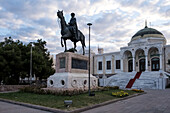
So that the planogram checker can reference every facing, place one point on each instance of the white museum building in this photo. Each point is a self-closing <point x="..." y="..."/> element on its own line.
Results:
<point x="144" y="63"/>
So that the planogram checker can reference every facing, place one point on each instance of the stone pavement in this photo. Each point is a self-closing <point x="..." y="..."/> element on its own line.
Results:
<point x="155" y="101"/>
<point x="12" y="108"/>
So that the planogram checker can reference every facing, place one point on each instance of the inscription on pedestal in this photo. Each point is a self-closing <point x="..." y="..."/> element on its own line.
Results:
<point x="62" y="62"/>
<point x="79" y="64"/>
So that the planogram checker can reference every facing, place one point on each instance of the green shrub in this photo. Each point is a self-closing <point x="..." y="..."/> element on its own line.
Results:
<point x="62" y="92"/>
<point x="111" y="88"/>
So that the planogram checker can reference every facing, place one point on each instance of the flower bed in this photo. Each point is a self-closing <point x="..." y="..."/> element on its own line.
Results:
<point x="120" y="94"/>
<point x="138" y="90"/>
<point x="64" y="92"/>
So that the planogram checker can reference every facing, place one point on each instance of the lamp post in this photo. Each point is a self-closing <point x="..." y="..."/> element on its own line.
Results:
<point x="89" y="24"/>
<point x="31" y="65"/>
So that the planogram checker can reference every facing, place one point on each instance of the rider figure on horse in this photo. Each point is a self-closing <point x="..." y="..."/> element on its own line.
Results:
<point x="73" y="27"/>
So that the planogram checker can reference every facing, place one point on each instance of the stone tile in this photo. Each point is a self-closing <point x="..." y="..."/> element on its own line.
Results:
<point x="12" y="108"/>
<point x="155" y="101"/>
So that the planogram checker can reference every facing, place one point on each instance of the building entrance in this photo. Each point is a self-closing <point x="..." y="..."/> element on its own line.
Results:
<point x="142" y="65"/>
<point x="130" y="66"/>
<point x="155" y="64"/>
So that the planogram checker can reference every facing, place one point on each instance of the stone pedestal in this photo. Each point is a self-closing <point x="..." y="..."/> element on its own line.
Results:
<point x="71" y="62"/>
<point x="71" y="72"/>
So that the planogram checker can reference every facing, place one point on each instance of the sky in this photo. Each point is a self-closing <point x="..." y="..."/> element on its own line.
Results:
<point x="114" y="22"/>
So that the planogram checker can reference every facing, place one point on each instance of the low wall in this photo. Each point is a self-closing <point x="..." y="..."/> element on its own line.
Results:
<point x="11" y="87"/>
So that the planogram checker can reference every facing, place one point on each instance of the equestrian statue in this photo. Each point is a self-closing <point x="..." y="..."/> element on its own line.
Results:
<point x="70" y="31"/>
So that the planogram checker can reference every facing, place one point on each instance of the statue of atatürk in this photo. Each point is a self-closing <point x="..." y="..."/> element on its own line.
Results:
<point x="70" y="31"/>
<point x="73" y="26"/>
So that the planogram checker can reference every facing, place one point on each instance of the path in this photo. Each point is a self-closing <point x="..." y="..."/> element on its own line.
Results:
<point x="155" y="101"/>
<point x="12" y="108"/>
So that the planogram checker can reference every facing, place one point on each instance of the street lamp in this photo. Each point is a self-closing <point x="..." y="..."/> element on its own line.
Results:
<point x="31" y="65"/>
<point x="89" y="24"/>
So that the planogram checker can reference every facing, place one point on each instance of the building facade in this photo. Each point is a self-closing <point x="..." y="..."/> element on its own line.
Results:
<point x="144" y="63"/>
<point x="147" y="51"/>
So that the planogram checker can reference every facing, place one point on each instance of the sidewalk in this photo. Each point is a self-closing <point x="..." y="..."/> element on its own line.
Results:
<point x="155" y="101"/>
<point x="12" y="108"/>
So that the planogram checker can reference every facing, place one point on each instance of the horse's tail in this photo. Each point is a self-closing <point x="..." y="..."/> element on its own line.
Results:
<point x="84" y="41"/>
<point x="82" y="38"/>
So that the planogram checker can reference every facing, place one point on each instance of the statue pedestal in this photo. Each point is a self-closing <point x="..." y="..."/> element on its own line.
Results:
<point x="71" y="72"/>
<point x="71" y="62"/>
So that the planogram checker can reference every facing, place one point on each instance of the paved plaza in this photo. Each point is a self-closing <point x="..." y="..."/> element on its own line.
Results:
<point x="155" y="101"/>
<point x="12" y="108"/>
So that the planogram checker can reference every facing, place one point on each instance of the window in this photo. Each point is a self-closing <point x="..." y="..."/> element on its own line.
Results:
<point x="117" y="64"/>
<point x="108" y="63"/>
<point x="99" y="65"/>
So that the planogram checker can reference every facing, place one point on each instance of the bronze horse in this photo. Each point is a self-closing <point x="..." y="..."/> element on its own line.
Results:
<point x="66" y="34"/>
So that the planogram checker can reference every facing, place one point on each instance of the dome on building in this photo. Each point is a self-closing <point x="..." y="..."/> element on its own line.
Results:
<point x="147" y="32"/>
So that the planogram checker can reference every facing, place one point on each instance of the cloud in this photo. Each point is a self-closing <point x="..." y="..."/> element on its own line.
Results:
<point x="114" y="21"/>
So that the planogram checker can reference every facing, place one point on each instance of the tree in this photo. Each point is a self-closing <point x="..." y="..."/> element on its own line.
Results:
<point x="15" y="60"/>
<point x="42" y="63"/>
<point x="11" y="61"/>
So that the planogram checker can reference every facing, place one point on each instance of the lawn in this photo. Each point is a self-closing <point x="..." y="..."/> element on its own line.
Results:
<point x="53" y="101"/>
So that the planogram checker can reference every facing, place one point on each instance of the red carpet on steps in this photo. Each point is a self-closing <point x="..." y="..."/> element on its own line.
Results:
<point x="131" y="82"/>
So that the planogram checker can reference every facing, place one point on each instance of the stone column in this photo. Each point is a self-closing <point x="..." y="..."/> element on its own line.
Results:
<point x="133" y="61"/>
<point x="146" y="63"/>
<point x="146" y="59"/>
<point x="95" y="65"/>
<point x="104" y="67"/>
<point x="113" y="69"/>
<point x="133" y="64"/>
<point x="160" y="61"/>
<point x="121" y="64"/>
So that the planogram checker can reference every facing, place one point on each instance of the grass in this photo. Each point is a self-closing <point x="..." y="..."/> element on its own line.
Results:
<point x="53" y="101"/>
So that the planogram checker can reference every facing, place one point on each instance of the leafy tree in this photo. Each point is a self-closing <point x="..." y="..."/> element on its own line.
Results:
<point x="11" y="61"/>
<point x="15" y="60"/>
<point x="42" y="63"/>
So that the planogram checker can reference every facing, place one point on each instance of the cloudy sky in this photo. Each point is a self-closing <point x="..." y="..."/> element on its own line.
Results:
<point x="114" y="21"/>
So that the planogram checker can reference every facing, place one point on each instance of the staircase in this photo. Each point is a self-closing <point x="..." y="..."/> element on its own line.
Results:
<point x="131" y="82"/>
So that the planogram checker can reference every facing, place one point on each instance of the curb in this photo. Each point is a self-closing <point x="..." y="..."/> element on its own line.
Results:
<point x="104" y="103"/>
<point x="54" y="110"/>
